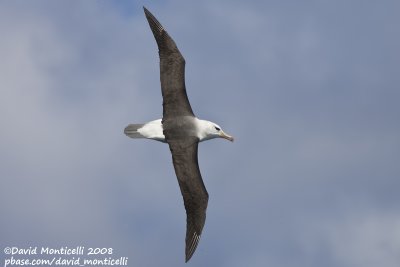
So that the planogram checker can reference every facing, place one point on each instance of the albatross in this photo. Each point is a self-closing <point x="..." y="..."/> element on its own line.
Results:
<point x="182" y="131"/>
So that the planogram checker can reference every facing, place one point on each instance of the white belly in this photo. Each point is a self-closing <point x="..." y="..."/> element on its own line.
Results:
<point x="153" y="130"/>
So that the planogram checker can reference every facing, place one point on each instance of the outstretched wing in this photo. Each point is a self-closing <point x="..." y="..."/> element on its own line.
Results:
<point x="172" y="72"/>
<point x="195" y="196"/>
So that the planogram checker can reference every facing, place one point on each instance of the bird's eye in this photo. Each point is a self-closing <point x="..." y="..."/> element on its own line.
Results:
<point x="216" y="128"/>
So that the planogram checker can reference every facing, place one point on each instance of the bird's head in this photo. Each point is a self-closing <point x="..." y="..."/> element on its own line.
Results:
<point x="209" y="130"/>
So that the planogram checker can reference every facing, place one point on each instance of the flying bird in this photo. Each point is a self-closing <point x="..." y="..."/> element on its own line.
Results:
<point x="182" y="131"/>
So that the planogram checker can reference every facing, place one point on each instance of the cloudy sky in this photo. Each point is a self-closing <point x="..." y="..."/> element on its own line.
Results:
<point x="309" y="89"/>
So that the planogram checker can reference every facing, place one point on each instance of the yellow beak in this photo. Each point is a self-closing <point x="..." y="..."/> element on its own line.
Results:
<point x="222" y="134"/>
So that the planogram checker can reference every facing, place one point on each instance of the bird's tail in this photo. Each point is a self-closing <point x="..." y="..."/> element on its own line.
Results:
<point x="132" y="130"/>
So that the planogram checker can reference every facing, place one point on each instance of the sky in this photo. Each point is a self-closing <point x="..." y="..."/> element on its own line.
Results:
<point x="309" y="90"/>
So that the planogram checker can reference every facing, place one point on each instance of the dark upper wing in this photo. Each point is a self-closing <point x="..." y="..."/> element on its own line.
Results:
<point x="195" y="196"/>
<point x="172" y="72"/>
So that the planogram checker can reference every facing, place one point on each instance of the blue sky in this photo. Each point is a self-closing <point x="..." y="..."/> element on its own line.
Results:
<point x="309" y="89"/>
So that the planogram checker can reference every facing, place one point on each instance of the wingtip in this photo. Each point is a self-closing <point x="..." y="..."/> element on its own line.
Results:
<point x="192" y="246"/>
<point x="155" y="25"/>
<point x="147" y="13"/>
<point x="188" y="257"/>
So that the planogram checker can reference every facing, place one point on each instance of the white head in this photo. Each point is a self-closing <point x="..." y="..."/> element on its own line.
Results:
<point x="208" y="130"/>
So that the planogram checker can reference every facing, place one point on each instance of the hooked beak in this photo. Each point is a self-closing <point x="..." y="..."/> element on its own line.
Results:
<point x="226" y="136"/>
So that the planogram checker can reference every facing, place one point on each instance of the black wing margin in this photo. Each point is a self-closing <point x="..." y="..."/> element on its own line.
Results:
<point x="172" y="72"/>
<point x="195" y="196"/>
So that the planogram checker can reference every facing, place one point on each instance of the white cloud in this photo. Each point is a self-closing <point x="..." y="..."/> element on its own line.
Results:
<point x="58" y="143"/>
<point x="367" y="240"/>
